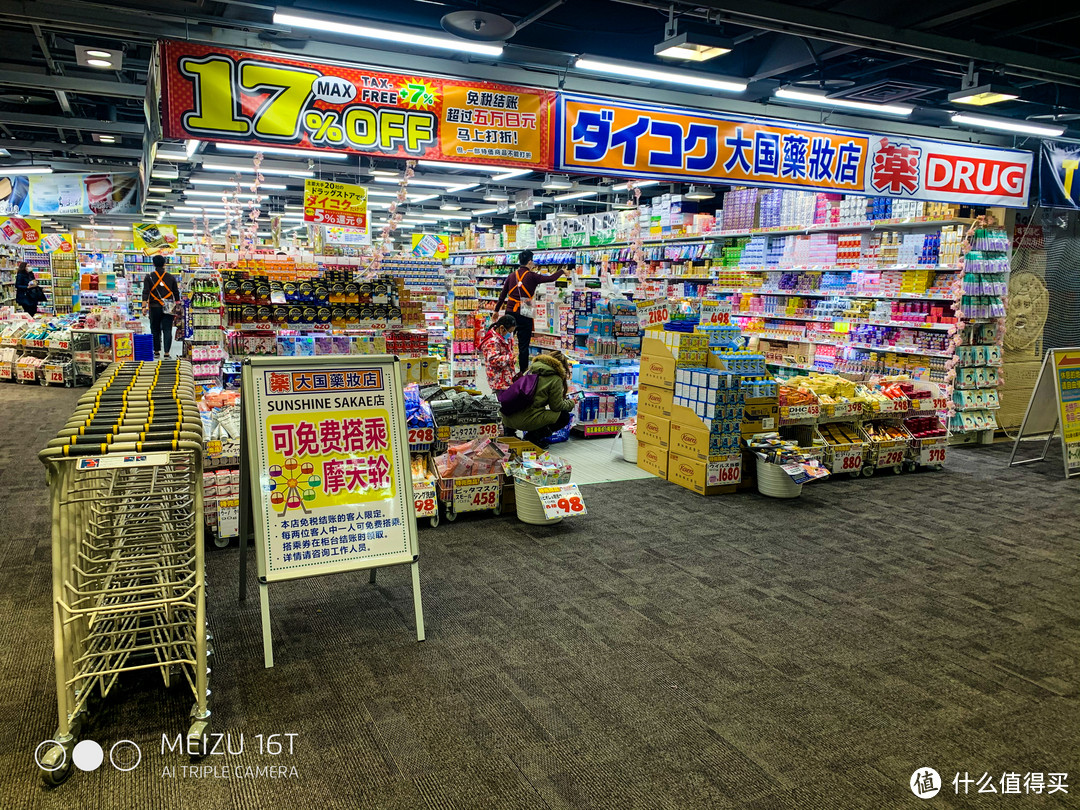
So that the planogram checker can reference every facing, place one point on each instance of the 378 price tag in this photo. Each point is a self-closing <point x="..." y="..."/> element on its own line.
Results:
<point x="561" y="501"/>
<point x="932" y="451"/>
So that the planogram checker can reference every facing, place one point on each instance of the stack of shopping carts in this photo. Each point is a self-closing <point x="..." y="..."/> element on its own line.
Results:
<point x="125" y="476"/>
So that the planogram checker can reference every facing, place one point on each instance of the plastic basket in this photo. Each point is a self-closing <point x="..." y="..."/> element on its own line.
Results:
<point x="529" y="508"/>
<point x="774" y="482"/>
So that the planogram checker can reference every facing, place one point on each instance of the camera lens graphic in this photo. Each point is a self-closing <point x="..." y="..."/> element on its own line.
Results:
<point x="125" y="755"/>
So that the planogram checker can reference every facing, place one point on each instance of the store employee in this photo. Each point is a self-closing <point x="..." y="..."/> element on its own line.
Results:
<point x="517" y="293"/>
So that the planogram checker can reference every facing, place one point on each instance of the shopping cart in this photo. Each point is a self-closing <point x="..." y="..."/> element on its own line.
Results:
<point x="125" y="478"/>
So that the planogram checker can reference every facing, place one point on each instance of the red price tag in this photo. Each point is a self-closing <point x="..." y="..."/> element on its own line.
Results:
<point x="725" y="472"/>
<point x="421" y="435"/>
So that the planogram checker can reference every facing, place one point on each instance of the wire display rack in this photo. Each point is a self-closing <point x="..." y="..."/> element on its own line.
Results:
<point x="125" y="480"/>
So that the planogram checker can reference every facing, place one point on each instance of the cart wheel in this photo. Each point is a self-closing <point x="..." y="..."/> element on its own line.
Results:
<point x="867" y="471"/>
<point x="897" y="469"/>
<point x="451" y="515"/>
<point x="198" y="737"/>
<point x="498" y="508"/>
<point x="56" y="765"/>
<point x="909" y="466"/>
<point x="937" y="467"/>
<point x="434" y="520"/>
<point x="221" y="542"/>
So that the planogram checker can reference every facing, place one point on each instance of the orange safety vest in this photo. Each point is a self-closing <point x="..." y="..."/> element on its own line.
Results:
<point x="160" y="281"/>
<point x="518" y="286"/>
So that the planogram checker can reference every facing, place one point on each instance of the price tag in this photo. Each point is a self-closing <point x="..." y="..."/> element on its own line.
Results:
<point x="213" y="447"/>
<point x="932" y="451"/>
<point x="27" y="373"/>
<point x="561" y="501"/>
<point x="55" y="376"/>
<point x="715" y="313"/>
<point x="472" y="497"/>
<point x="941" y="403"/>
<point x="803" y="411"/>
<point x="847" y="459"/>
<point x="848" y="409"/>
<point x="229" y="517"/>
<point x="421" y="435"/>
<point x="468" y="432"/>
<point x="424" y="500"/>
<point x="652" y="313"/>
<point x="890" y="458"/>
<point x="722" y="473"/>
<point x="5" y="371"/>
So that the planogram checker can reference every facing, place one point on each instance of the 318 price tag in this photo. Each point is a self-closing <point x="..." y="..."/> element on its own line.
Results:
<point x="561" y="501"/>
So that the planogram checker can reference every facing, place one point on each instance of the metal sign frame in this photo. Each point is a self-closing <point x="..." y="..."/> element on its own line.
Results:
<point x="255" y="490"/>
<point x="1043" y="414"/>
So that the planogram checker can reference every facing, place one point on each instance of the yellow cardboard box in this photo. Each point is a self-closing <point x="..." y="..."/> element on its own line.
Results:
<point x="695" y="474"/>
<point x="653" y="429"/>
<point x="655" y="400"/>
<point x="652" y="459"/>
<point x="657" y="364"/>
<point x="688" y="435"/>
<point x="761" y="415"/>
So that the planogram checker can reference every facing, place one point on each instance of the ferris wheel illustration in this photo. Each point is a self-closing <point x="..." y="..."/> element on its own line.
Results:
<point x="293" y="485"/>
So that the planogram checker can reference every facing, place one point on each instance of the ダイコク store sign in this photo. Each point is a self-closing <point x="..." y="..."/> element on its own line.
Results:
<point x="634" y="139"/>
<point x="216" y="94"/>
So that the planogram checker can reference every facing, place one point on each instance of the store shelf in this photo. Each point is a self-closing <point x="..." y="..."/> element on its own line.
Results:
<point x="851" y="345"/>
<point x="936" y="327"/>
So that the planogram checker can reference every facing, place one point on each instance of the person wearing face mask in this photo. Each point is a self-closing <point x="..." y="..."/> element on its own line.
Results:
<point x="517" y="293"/>
<point x="497" y="347"/>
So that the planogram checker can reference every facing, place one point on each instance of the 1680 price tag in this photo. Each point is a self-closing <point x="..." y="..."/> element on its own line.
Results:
<point x="561" y="501"/>
<point x="728" y="471"/>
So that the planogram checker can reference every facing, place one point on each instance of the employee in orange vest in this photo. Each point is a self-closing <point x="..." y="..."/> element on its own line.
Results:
<point x="161" y="298"/>
<point x="517" y="293"/>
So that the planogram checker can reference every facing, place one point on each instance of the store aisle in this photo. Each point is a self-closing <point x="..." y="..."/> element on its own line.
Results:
<point x="665" y="651"/>
<point x="597" y="461"/>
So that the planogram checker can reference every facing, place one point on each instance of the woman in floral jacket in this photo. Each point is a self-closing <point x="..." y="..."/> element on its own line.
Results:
<point x="500" y="358"/>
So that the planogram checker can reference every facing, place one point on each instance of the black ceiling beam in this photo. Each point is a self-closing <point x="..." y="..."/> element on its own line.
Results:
<point x="961" y="14"/>
<point x="845" y="30"/>
<point x="86" y="124"/>
<point x="23" y="77"/>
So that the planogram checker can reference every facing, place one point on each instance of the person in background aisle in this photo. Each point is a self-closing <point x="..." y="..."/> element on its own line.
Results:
<point x="517" y="293"/>
<point x="498" y="349"/>
<point x="160" y="297"/>
<point x="27" y="291"/>
<point x="550" y="409"/>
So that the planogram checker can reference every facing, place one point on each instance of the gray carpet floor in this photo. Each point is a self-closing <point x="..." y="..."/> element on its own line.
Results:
<point x="664" y="651"/>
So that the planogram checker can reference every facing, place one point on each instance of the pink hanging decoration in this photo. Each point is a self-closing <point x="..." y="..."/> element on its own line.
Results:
<point x="385" y="243"/>
<point x="636" y="238"/>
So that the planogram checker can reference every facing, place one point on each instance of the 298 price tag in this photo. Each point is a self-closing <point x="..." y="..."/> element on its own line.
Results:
<point x="561" y="501"/>
<point x="421" y="435"/>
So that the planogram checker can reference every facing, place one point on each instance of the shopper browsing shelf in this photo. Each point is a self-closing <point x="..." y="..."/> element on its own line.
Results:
<point x="517" y="293"/>
<point x="27" y="292"/>
<point x="497" y="346"/>
<point x="550" y="407"/>
<point x="161" y="298"/>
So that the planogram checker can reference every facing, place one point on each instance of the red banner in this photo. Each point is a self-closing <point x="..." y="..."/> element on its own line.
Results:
<point x="216" y="94"/>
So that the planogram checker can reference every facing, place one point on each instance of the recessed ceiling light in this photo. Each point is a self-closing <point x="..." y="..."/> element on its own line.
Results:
<point x="1007" y="125"/>
<point x="557" y="182"/>
<point x="700" y="193"/>
<point x="637" y="184"/>
<point x="449" y="205"/>
<point x="984" y="94"/>
<point x="99" y="54"/>
<point x="99" y="63"/>
<point x="692" y="45"/>
<point x="702" y="81"/>
<point x="341" y="26"/>
<point x="107" y="138"/>
<point x="278" y="150"/>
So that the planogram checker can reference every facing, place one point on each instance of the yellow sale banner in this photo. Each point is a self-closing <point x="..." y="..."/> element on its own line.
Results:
<point x="19" y="231"/>
<point x="154" y="239"/>
<point x="431" y="245"/>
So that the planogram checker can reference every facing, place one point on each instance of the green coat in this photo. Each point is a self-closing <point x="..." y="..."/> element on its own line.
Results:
<point x="549" y="400"/>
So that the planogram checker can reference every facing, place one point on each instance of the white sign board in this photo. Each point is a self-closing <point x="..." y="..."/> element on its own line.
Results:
<point x="329" y="470"/>
<point x="715" y="313"/>
<point x="561" y="501"/>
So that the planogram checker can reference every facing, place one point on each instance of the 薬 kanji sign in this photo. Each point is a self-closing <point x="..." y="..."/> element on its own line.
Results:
<point x="635" y="139"/>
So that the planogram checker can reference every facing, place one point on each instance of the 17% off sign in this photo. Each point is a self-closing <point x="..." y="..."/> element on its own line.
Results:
<point x="561" y="501"/>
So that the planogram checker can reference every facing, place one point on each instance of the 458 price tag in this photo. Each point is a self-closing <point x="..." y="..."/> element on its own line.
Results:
<point x="561" y="501"/>
<point x="476" y="497"/>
